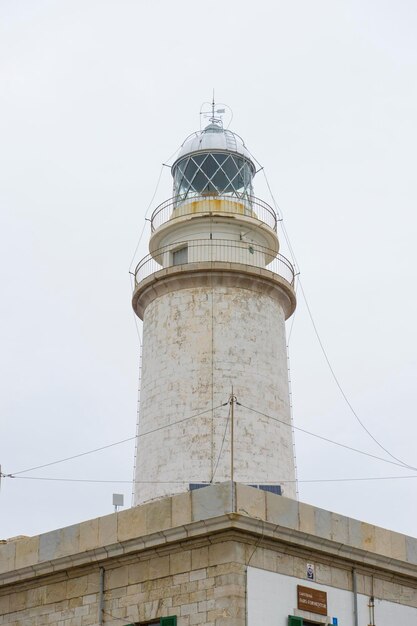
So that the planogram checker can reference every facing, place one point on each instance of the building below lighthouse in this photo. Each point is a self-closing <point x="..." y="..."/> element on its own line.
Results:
<point x="239" y="550"/>
<point x="214" y="294"/>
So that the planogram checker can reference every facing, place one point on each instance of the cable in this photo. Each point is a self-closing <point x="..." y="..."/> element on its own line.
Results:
<point x="292" y="319"/>
<point x="345" y="480"/>
<point x="88" y="480"/>
<point x="184" y="419"/>
<point x="287" y="239"/>
<point x="69" y="458"/>
<point x="146" y="213"/>
<point x="341" y="389"/>
<point x="110" y="445"/>
<point x="181" y="482"/>
<point x="336" y="443"/>
<point x="132" y="286"/>
<point x="221" y="447"/>
<point x="149" y="206"/>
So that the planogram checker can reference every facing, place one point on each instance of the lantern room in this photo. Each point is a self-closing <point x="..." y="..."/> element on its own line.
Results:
<point x="213" y="162"/>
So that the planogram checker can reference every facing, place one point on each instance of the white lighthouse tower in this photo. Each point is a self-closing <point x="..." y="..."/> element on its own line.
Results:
<point x="214" y="294"/>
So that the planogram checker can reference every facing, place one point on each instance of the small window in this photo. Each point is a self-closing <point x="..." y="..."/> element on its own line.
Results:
<point x="271" y="488"/>
<point x="194" y="486"/>
<point x="180" y="256"/>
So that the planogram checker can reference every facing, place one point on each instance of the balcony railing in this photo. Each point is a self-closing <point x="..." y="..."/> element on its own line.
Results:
<point x="211" y="250"/>
<point x="180" y="206"/>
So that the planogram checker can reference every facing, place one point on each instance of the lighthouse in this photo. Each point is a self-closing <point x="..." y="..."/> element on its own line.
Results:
<point x="214" y="294"/>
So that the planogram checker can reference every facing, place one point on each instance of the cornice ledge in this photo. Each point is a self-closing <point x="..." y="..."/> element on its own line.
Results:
<point x="328" y="546"/>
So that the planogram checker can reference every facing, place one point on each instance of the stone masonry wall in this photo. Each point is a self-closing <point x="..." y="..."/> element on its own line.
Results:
<point x="198" y="344"/>
<point x="201" y="585"/>
<point x="188" y="556"/>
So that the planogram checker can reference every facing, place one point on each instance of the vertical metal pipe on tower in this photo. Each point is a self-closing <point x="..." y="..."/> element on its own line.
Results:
<point x="214" y="294"/>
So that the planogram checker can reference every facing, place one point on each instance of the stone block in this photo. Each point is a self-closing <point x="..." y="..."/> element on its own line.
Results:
<point x="211" y="501"/>
<point x="4" y="604"/>
<point x="90" y="599"/>
<point x="198" y="596"/>
<point x="198" y="618"/>
<point x="107" y="529"/>
<point x="36" y="596"/>
<point x="342" y="578"/>
<point x="355" y="533"/>
<point x="89" y="535"/>
<point x="138" y="572"/>
<point x="48" y="545"/>
<point x="7" y="556"/>
<point x="199" y="558"/>
<point x="368" y="536"/>
<point x="411" y="549"/>
<point x="68" y="541"/>
<point x="398" y="547"/>
<point x="27" y="551"/>
<point x="198" y="574"/>
<point x="131" y="523"/>
<point x="250" y="501"/>
<point x="306" y="518"/>
<point x="383" y="543"/>
<point x="300" y="567"/>
<point x="115" y="578"/>
<point x="282" y="511"/>
<point x="74" y="602"/>
<point x="181" y="509"/>
<point x="179" y="579"/>
<point x="93" y="582"/>
<point x="56" y="592"/>
<point x="77" y="587"/>
<point x="17" y="601"/>
<point x="285" y="564"/>
<point x="261" y="557"/>
<point x="159" y="567"/>
<point x="158" y="515"/>
<point x="323" y="574"/>
<point x="226" y="552"/>
<point x="323" y="523"/>
<point x="180" y="562"/>
<point x="189" y="609"/>
<point x="339" y="528"/>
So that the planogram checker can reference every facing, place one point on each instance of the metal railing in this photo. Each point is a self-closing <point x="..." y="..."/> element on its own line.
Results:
<point x="209" y="250"/>
<point x="181" y="206"/>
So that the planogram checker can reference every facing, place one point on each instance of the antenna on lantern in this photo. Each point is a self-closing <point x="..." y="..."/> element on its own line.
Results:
<point x="214" y="114"/>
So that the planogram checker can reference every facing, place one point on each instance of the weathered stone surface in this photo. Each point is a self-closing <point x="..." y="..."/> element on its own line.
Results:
<point x="89" y="535"/>
<point x="211" y="501"/>
<point x="250" y="501"/>
<point x="27" y="552"/>
<point x="107" y="529"/>
<point x="181" y="509"/>
<point x="282" y="511"/>
<point x="198" y="343"/>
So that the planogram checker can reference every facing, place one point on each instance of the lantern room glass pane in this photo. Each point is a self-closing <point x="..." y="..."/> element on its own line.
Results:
<point x="217" y="173"/>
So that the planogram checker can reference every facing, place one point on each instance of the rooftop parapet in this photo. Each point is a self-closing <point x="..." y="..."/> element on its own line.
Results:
<point x="194" y="514"/>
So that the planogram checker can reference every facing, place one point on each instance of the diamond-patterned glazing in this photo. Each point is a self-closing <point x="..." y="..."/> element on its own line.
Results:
<point x="213" y="173"/>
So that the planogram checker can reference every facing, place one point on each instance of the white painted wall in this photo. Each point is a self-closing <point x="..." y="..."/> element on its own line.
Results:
<point x="272" y="597"/>
<point x="230" y="229"/>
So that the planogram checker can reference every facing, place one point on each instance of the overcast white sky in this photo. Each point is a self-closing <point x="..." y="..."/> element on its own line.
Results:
<point x="94" y="96"/>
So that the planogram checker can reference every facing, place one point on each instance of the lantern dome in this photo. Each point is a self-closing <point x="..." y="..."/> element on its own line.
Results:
<point x="214" y="137"/>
